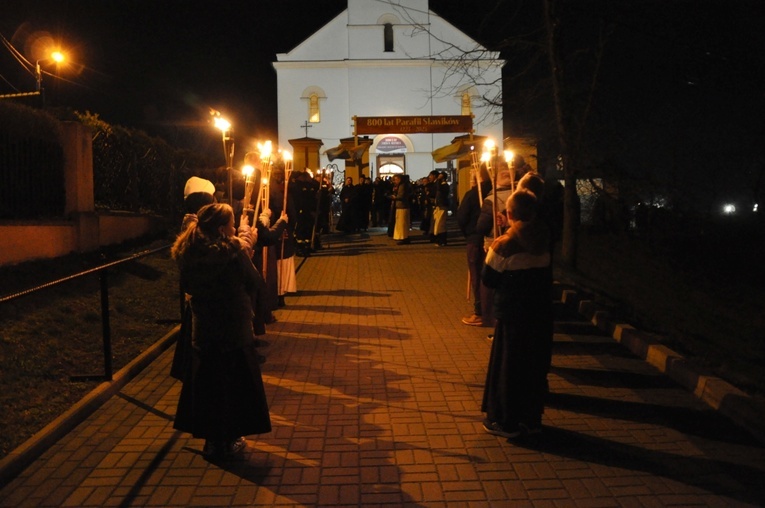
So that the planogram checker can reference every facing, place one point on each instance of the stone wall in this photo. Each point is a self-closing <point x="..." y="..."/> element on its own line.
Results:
<point x="82" y="229"/>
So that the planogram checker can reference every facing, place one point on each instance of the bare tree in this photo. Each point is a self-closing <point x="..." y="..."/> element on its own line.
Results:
<point x="571" y="119"/>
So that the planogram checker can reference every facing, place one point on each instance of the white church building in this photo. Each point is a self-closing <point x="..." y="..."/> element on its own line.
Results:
<point x="387" y="59"/>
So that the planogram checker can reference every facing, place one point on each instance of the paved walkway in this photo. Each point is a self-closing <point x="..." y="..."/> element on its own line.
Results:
<point x="374" y="387"/>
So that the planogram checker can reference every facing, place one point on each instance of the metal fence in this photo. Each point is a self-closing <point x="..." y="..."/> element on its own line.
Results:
<point x="103" y="275"/>
<point x="32" y="178"/>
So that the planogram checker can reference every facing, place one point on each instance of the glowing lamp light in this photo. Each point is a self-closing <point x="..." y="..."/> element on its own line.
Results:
<point x="247" y="171"/>
<point x="485" y="157"/>
<point x="729" y="209"/>
<point x="56" y="56"/>
<point x="755" y="207"/>
<point x="287" y="156"/>
<point x="509" y="156"/>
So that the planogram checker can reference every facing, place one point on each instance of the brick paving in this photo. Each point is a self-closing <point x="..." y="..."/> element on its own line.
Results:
<point x="374" y="387"/>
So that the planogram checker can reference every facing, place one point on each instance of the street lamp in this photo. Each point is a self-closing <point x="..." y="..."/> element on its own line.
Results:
<point x="57" y="57"/>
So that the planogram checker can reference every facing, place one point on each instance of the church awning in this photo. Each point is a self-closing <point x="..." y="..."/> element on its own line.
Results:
<point x="348" y="150"/>
<point x="456" y="150"/>
<point x="338" y="152"/>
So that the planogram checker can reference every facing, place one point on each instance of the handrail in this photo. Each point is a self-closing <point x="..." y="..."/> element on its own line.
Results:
<point x="102" y="271"/>
<point x="139" y="255"/>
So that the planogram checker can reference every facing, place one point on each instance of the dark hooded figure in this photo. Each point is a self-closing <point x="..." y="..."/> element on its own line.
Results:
<point x="518" y="268"/>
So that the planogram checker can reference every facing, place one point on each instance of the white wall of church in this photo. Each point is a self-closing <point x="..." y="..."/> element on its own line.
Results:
<point x="293" y="109"/>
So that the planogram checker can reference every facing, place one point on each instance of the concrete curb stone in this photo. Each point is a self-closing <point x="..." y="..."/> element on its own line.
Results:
<point x="743" y="409"/>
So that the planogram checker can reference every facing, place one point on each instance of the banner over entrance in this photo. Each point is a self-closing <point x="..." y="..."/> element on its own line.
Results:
<point x="412" y="124"/>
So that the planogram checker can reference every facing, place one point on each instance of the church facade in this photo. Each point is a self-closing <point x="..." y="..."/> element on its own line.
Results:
<point x="386" y="59"/>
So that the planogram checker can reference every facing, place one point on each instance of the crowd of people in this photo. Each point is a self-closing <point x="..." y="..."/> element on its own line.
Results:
<point x="396" y="202"/>
<point x="237" y="263"/>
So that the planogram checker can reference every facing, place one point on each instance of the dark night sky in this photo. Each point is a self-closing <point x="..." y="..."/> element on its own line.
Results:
<point x="681" y="88"/>
<point x="146" y="63"/>
<point x="160" y="65"/>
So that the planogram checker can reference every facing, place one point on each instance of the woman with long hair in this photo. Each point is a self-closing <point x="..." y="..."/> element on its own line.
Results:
<point x="223" y="398"/>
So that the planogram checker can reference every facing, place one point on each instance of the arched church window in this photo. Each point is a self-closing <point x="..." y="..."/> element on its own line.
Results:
<point x="314" y="113"/>
<point x="388" y="37"/>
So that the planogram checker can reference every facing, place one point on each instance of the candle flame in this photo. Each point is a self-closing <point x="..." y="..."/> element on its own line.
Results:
<point x="287" y="155"/>
<point x="509" y="156"/>
<point x="247" y="170"/>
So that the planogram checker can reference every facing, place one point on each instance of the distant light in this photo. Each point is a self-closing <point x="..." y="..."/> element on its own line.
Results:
<point x="729" y="209"/>
<point x="754" y="208"/>
<point x="57" y="56"/>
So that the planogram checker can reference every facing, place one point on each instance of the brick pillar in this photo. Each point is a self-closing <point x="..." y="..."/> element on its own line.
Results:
<point x="78" y="179"/>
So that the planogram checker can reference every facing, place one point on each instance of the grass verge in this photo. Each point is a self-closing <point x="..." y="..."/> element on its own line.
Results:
<point x="50" y="336"/>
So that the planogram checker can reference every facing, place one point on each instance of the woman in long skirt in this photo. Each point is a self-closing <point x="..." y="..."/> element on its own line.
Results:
<point x="223" y="398"/>
<point x="402" y="203"/>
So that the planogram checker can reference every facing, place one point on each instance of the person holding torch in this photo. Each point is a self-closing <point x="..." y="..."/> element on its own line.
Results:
<point x="468" y="212"/>
<point x="286" y="263"/>
<point x="491" y="220"/>
<point x="265" y="256"/>
<point x="223" y="398"/>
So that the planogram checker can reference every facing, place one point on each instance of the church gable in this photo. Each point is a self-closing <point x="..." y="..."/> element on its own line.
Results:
<point x="370" y="30"/>
<point x="328" y="43"/>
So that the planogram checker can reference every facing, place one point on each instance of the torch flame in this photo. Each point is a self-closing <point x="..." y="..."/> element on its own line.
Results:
<point x="222" y="123"/>
<point x="265" y="149"/>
